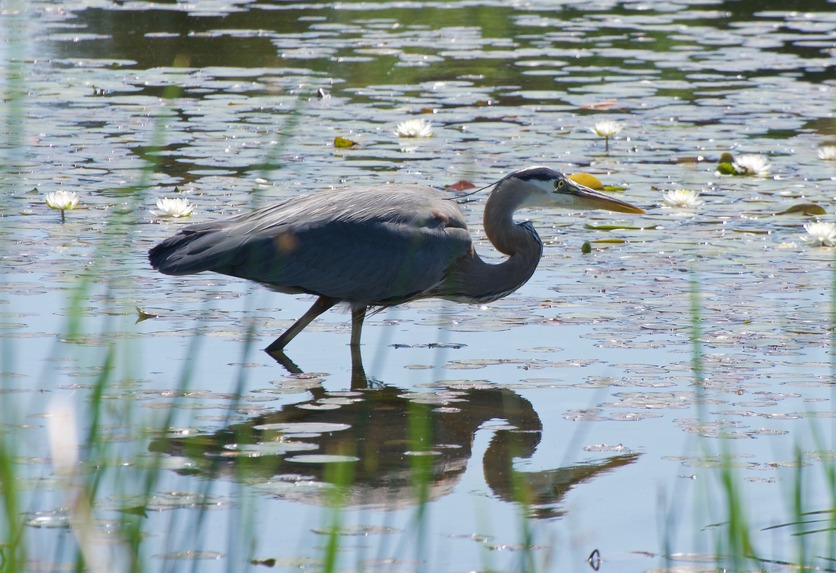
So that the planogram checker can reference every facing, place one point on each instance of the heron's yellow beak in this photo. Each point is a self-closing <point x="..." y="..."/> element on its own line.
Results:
<point x="586" y="198"/>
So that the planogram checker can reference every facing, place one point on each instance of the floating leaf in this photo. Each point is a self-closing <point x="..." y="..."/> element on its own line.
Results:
<point x="616" y="227"/>
<point x="343" y="143"/>
<point x="461" y="185"/>
<point x="586" y="248"/>
<point x="302" y="427"/>
<point x="142" y="315"/>
<point x="139" y="510"/>
<point x="587" y="180"/>
<point x="606" y="104"/>
<point x="609" y="241"/>
<point x="725" y="168"/>
<point x="192" y="555"/>
<point x="322" y="459"/>
<point x="614" y="188"/>
<point x="362" y="530"/>
<point x="752" y="231"/>
<point x="689" y="159"/>
<point x="804" y="209"/>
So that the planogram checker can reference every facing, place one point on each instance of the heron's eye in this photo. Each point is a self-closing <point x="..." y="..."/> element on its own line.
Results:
<point x="559" y="185"/>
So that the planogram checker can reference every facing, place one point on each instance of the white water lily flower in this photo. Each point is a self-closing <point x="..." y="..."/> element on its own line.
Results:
<point x="177" y="207"/>
<point x="62" y="200"/>
<point x="414" y="128"/>
<point x="682" y="198"/>
<point x="827" y="152"/>
<point x="606" y="128"/>
<point x="820" y="234"/>
<point x="756" y="165"/>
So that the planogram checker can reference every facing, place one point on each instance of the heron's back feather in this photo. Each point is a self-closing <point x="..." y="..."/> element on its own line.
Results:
<point x="381" y="245"/>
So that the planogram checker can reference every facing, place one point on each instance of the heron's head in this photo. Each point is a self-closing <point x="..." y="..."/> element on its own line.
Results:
<point x="550" y="188"/>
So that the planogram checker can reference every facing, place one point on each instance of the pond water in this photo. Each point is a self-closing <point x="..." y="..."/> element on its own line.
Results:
<point x="586" y="415"/>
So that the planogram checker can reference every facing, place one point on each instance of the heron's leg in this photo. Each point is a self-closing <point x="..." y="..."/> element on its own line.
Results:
<point x="358" y="315"/>
<point x="322" y="304"/>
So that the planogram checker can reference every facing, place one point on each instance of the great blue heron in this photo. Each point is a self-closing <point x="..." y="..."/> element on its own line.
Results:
<point x="379" y="246"/>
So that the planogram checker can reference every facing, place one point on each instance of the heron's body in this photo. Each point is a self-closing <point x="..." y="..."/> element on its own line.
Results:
<point x="375" y="246"/>
<point x="359" y="247"/>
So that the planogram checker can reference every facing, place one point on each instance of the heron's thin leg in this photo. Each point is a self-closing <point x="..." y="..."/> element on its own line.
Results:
<point x="322" y="304"/>
<point x="358" y="315"/>
<point x="358" y="374"/>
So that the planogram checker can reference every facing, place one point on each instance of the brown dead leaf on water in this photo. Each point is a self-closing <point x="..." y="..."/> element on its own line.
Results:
<point x="461" y="185"/>
<point x="600" y="105"/>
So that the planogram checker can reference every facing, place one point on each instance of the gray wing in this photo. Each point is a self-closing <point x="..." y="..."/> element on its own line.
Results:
<point x="379" y="245"/>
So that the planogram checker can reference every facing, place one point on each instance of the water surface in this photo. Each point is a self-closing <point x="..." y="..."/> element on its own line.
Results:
<point x="586" y="378"/>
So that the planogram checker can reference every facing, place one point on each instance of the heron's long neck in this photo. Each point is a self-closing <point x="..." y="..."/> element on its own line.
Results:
<point x="478" y="281"/>
<point x="503" y="233"/>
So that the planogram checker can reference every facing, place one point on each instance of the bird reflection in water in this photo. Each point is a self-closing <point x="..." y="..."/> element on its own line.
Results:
<point x="376" y="247"/>
<point x="374" y="428"/>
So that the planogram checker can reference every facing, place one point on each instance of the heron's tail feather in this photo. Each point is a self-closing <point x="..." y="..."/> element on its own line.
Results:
<point x="192" y="251"/>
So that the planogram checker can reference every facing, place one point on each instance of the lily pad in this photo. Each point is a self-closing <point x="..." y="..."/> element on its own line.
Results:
<point x="303" y="427"/>
<point x="142" y="315"/>
<point x="752" y="231"/>
<point x="361" y="530"/>
<point x="803" y="209"/>
<point x="619" y="227"/>
<point x="343" y="143"/>
<point x="322" y="459"/>
<point x="587" y="180"/>
<point x="726" y="169"/>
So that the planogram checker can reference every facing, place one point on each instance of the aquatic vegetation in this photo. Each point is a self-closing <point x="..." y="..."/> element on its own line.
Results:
<point x="343" y="142"/>
<point x="414" y="128"/>
<point x="682" y="198"/>
<point x="460" y="185"/>
<point x="173" y="207"/>
<point x="587" y="180"/>
<point x="62" y="201"/>
<point x="803" y="209"/>
<point x="245" y="131"/>
<point x="827" y="152"/>
<point x="750" y="164"/>
<point x="606" y="128"/>
<point x="820" y="234"/>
